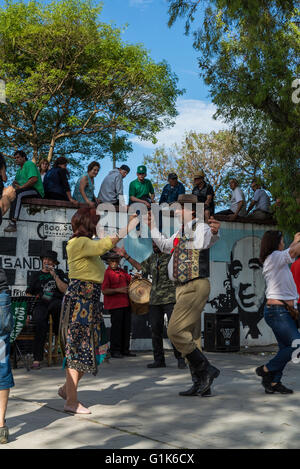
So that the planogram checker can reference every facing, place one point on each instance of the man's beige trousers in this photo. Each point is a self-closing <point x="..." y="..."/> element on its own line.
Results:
<point x="184" y="330"/>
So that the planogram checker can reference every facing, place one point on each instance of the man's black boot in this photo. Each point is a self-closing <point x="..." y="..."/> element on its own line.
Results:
<point x="208" y="376"/>
<point x="193" y="391"/>
<point x="203" y="370"/>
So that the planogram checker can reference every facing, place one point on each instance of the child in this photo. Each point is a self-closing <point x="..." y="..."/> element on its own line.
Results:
<point x="116" y="301"/>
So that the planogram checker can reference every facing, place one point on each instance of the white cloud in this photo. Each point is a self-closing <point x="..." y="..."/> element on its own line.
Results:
<point x="193" y="115"/>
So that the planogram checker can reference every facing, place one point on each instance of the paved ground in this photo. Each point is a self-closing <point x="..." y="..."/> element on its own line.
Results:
<point x="135" y="407"/>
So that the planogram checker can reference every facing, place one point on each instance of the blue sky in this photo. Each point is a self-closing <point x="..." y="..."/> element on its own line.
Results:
<point x="147" y="23"/>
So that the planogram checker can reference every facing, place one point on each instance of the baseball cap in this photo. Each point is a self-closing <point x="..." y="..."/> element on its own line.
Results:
<point x="172" y="176"/>
<point x="141" y="169"/>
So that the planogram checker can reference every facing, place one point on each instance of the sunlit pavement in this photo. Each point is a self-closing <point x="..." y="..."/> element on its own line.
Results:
<point x="135" y="407"/>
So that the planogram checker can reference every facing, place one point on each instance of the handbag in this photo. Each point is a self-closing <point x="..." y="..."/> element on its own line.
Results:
<point x="293" y="311"/>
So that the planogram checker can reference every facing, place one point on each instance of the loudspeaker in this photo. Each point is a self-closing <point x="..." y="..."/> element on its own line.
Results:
<point x="221" y="332"/>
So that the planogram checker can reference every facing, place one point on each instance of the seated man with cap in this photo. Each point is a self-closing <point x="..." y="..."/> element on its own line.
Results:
<point x="172" y="190"/>
<point x="49" y="286"/>
<point x="205" y="193"/>
<point x="141" y="189"/>
<point x="111" y="190"/>
<point x="116" y="301"/>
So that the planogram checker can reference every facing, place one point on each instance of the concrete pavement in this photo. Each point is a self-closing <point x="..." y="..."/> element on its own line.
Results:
<point x="134" y="407"/>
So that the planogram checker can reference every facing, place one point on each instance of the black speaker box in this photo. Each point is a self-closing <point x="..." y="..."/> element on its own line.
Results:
<point x="221" y="332"/>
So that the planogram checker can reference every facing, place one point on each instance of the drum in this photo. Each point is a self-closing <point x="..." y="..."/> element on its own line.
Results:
<point x="139" y="295"/>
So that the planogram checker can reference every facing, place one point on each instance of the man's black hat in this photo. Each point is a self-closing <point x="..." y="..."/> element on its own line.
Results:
<point x="50" y="255"/>
<point x="125" y="168"/>
<point x="172" y="176"/>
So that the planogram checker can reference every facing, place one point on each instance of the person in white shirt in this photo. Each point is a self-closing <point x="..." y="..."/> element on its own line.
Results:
<point x="260" y="203"/>
<point x="237" y="203"/>
<point x="281" y="294"/>
<point x="189" y="269"/>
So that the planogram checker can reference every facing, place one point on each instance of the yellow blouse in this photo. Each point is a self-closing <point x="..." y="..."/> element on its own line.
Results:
<point x="83" y="258"/>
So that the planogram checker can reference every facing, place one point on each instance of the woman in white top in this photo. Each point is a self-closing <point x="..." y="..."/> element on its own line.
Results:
<point x="281" y="291"/>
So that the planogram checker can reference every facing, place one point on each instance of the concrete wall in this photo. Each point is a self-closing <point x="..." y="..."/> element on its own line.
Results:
<point x="237" y="284"/>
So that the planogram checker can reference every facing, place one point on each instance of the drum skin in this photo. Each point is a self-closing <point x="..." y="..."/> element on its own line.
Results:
<point x="139" y="295"/>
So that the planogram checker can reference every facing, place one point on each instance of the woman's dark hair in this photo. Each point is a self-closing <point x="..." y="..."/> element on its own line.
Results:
<point x="84" y="222"/>
<point x="21" y="153"/>
<point x="60" y="160"/>
<point x="92" y="165"/>
<point x="269" y="243"/>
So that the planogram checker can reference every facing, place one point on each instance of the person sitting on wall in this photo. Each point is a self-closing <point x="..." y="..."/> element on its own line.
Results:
<point x="111" y="190"/>
<point x="261" y="202"/>
<point x="7" y="194"/>
<point x="205" y="194"/>
<point x="141" y="189"/>
<point x="172" y="190"/>
<point x="44" y="167"/>
<point x="116" y="301"/>
<point x="49" y="285"/>
<point x="56" y="183"/>
<point x="28" y="183"/>
<point x="85" y="186"/>
<point x="237" y="204"/>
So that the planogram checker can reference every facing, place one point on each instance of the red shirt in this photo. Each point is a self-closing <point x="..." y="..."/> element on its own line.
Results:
<point x="116" y="279"/>
<point x="295" y="268"/>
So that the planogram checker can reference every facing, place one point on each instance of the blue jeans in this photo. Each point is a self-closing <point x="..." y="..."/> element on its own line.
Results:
<point x="285" y="331"/>
<point x="6" y="325"/>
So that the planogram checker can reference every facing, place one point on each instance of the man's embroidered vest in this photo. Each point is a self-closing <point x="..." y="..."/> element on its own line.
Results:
<point x="189" y="264"/>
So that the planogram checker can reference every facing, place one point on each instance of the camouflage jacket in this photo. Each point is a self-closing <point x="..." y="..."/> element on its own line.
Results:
<point x="163" y="289"/>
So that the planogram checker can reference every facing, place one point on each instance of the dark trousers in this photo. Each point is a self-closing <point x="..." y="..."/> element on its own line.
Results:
<point x="15" y="207"/>
<point x="120" y="329"/>
<point x="41" y="318"/>
<point x="157" y="313"/>
<point x="56" y="196"/>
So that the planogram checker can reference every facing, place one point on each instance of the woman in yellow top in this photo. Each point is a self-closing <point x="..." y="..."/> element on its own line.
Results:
<point x="82" y="328"/>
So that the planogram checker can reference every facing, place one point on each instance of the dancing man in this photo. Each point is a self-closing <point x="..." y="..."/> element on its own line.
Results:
<point x="189" y="269"/>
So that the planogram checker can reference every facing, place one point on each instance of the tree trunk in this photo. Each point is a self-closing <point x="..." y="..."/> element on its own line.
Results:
<point x="51" y="149"/>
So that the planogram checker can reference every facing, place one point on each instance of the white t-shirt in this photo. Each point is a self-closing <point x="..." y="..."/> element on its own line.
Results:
<point x="279" y="278"/>
<point x="236" y="197"/>
<point x="262" y="200"/>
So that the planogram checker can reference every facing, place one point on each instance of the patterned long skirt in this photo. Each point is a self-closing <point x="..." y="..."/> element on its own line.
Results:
<point x="82" y="329"/>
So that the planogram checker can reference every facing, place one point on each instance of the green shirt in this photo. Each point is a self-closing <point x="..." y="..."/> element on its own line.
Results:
<point x="28" y="171"/>
<point x="140" y="189"/>
<point x="163" y="289"/>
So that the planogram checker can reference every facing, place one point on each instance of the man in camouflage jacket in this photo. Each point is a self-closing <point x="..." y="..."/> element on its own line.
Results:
<point x="162" y="300"/>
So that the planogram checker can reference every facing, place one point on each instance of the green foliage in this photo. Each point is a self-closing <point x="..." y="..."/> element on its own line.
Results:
<point x="249" y="57"/>
<point x="70" y="80"/>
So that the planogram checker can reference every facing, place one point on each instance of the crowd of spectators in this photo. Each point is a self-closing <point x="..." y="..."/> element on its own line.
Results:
<point x="41" y="181"/>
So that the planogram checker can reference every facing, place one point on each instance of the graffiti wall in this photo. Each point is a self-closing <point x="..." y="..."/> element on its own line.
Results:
<point x="237" y="284"/>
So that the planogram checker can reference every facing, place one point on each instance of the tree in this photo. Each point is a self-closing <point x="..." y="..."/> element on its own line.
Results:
<point x="219" y="154"/>
<point x="70" y="80"/>
<point x="248" y="56"/>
